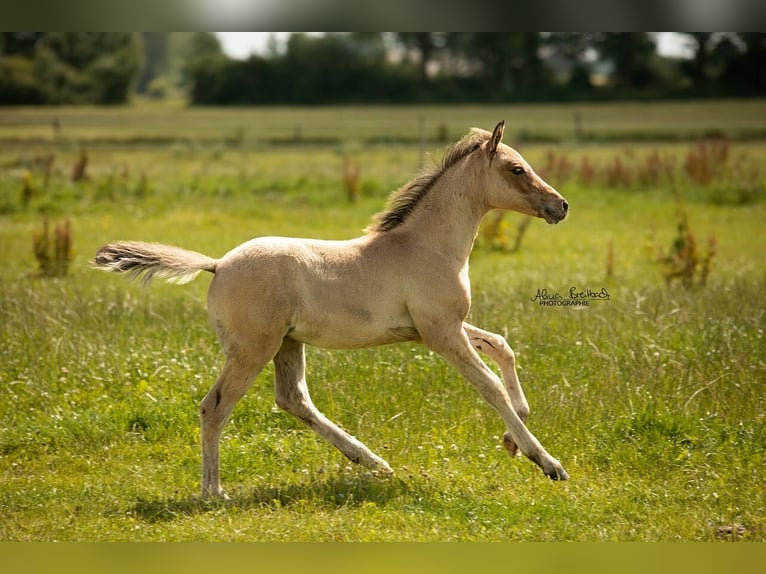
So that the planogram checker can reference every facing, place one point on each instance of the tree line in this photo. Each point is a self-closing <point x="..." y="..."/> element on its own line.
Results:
<point x="99" y="68"/>
<point x="361" y="67"/>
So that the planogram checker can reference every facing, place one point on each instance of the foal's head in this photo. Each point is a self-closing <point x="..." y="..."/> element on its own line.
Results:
<point x="513" y="184"/>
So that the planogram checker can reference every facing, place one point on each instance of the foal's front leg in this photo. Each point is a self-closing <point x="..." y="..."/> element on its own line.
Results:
<point x="496" y="348"/>
<point x="452" y="342"/>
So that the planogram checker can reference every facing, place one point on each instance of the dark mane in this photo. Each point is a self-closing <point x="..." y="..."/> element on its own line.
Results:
<point x="404" y="201"/>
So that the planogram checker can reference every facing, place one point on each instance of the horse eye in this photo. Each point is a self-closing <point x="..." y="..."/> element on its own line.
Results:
<point x="517" y="170"/>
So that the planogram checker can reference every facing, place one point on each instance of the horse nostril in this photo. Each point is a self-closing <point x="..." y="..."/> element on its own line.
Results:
<point x="565" y="205"/>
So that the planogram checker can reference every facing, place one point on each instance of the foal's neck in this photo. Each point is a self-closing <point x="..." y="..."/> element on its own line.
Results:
<point x="448" y="218"/>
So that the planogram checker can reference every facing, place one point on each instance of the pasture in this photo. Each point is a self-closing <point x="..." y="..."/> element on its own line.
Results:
<point x="654" y="399"/>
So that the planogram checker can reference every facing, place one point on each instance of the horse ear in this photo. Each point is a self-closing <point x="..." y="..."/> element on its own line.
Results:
<point x="497" y="137"/>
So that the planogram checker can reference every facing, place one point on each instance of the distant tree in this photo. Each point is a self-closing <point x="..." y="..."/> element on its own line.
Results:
<point x="509" y="62"/>
<point x="322" y="68"/>
<point x="92" y="67"/>
<point x="631" y="53"/>
<point x="332" y="68"/>
<point x="726" y="62"/>
<point x="204" y="45"/>
<point x="575" y="52"/>
<point x="572" y="46"/>
<point x="356" y="67"/>
<point x="112" y="75"/>
<point x="195" y="50"/>
<point x="754" y="59"/>
<point x="743" y="57"/>
<point x="696" y="68"/>
<point x="425" y="45"/>
<point x="19" y="83"/>
<point x="156" y="61"/>
<point x="60" y="82"/>
<point x="81" y="49"/>
<point x="19" y="43"/>
<point x="530" y="74"/>
<point x="370" y="47"/>
<point x="68" y="67"/>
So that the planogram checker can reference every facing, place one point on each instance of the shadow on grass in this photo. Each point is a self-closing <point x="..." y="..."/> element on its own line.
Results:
<point x="331" y="492"/>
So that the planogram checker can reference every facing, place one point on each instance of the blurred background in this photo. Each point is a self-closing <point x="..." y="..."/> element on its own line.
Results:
<point x="361" y="67"/>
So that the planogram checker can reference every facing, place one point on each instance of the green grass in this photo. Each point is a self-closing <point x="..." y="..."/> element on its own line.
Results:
<point x="654" y="401"/>
<point x="337" y="124"/>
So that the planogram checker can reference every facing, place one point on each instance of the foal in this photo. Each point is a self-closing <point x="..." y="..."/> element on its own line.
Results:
<point x="406" y="279"/>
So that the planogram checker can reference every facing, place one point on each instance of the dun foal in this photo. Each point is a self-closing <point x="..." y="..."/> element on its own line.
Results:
<point x="406" y="279"/>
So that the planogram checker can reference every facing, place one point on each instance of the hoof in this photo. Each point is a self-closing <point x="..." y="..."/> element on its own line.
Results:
<point x="557" y="473"/>
<point x="215" y="494"/>
<point x="377" y="466"/>
<point x="381" y="472"/>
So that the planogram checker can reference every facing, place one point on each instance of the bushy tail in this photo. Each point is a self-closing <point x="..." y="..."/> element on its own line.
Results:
<point x="152" y="260"/>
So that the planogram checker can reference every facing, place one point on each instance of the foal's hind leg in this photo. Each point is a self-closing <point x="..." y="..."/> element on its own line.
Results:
<point x="496" y="348"/>
<point x="215" y="410"/>
<point x="239" y="371"/>
<point x="292" y="395"/>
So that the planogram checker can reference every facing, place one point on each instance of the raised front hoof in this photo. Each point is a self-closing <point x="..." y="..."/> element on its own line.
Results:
<point x="511" y="448"/>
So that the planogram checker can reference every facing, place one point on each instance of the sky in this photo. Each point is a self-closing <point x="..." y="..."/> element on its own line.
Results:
<point x="240" y="45"/>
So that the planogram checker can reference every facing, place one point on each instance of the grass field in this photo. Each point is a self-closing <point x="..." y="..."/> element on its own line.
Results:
<point x="626" y="121"/>
<point x="654" y="401"/>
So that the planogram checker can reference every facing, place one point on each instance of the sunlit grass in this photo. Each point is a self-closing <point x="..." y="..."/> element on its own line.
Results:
<point x="654" y="400"/>
<point x="673" y="120"/>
